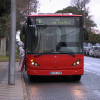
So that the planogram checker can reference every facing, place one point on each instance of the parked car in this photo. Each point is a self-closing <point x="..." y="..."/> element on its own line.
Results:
<point x="86" y="51"/>
<point x="91" y="52"/>
<point x="95" y="51"/>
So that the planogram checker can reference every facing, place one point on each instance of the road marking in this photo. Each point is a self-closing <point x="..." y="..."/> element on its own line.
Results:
<point x="95" y="63"/>
<point x="92" y="64"/>
<point x="98" y="74"/>
<point x="3" y="74"/>
<point x="87" y="64"/>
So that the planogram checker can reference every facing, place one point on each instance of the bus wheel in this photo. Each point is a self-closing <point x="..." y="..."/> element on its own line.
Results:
<point x="76" y="77"/>
<point x="30" y="77"/>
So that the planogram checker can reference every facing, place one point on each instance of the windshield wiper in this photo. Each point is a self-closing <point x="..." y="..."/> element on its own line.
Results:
<point x="48" y="52"/>
<point x="72" y="54"/>
<point x="45" y="52"/>
<point x="38" y="55"/>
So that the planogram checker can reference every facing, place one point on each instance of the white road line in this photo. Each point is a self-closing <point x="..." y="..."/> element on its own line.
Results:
<point x="92" y="72"/>
<point x="87" y="64"/>
<point x="95" y="63"/>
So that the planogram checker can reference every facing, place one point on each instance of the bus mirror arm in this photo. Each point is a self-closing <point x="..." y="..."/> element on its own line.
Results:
<point x="86" y="36"/>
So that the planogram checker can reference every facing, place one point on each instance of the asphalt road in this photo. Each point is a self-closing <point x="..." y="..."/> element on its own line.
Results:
<point x="62" y="88"/>
<point x="92" y="65"/>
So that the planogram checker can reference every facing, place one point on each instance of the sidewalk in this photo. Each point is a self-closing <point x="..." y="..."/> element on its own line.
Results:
<point x="11" y="92"/>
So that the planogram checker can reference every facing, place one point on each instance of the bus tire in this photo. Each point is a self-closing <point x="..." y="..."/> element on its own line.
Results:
<point x="76" y="77"/>
<point x="30" y="77"/>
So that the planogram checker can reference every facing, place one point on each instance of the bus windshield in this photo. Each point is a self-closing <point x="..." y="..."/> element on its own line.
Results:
<point x="54" y="39"/>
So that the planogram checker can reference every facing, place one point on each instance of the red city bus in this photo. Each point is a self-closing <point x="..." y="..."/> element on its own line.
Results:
<point x="54" y="45"/>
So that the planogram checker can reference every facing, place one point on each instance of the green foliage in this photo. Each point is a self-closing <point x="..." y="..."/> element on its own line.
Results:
<point x="22" y="8"/>
<point x="70" y="9"/>
<point x="4" y="26"/>
<point x="6" y="58"/>
<point x="5" y="6"/>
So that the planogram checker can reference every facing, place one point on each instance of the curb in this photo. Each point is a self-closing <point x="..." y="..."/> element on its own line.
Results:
<point x="24" y="88"/>
<point x="2" y="75"/>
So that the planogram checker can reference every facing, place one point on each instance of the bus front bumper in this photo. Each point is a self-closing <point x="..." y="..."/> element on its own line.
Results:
<point x="55" y="72"/>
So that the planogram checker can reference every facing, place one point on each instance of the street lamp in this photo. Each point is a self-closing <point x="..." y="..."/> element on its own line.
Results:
<point x="35" y="7"/>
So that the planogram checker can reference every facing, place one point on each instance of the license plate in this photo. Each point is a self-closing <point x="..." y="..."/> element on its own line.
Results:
<point x="55" y="72"/>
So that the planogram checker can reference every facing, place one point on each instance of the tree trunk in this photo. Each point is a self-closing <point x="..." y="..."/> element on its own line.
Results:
<point x="3" y="47"/>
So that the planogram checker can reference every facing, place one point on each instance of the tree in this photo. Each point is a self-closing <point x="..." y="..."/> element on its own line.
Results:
<point x="79" y="3"/>
<point x="5" y="6"/>
<point x="70" y="9"/>
<point x="4" y="26"/>
<point x="27" y="6"/>
<point x="24" y="8"/>
<point x="93" y="38"/>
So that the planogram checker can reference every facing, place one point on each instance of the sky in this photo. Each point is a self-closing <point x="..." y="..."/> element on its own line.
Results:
<point x="51" y="6"/>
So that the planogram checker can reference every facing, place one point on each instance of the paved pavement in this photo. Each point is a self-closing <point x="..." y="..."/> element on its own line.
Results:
<point x="12" y="92"/>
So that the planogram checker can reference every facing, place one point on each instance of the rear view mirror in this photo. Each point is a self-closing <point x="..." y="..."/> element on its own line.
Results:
<point x="86" y="36"/>
<point x="24" y="29"/>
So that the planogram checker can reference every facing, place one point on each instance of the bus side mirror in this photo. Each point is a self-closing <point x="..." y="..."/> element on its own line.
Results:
<point x="86" y="36"/>
<point x="24" y="30"/>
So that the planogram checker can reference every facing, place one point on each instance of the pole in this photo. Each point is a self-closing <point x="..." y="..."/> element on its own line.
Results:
<point x="11" y="70"/>
<point x="28" y="6"/>
<point x="84" y="15"/>
<point x="35" y="7"/>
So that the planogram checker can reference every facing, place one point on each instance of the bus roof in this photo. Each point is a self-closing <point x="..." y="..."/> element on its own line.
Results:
<point x="54" y="14"/>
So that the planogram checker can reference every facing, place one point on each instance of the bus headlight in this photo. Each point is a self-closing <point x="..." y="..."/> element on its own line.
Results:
<point x="76" y="62"/>
<point x="34" y="63"/>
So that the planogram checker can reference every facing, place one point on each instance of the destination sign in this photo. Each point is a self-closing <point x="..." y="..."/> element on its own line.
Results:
<point x="55" y="21"/>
